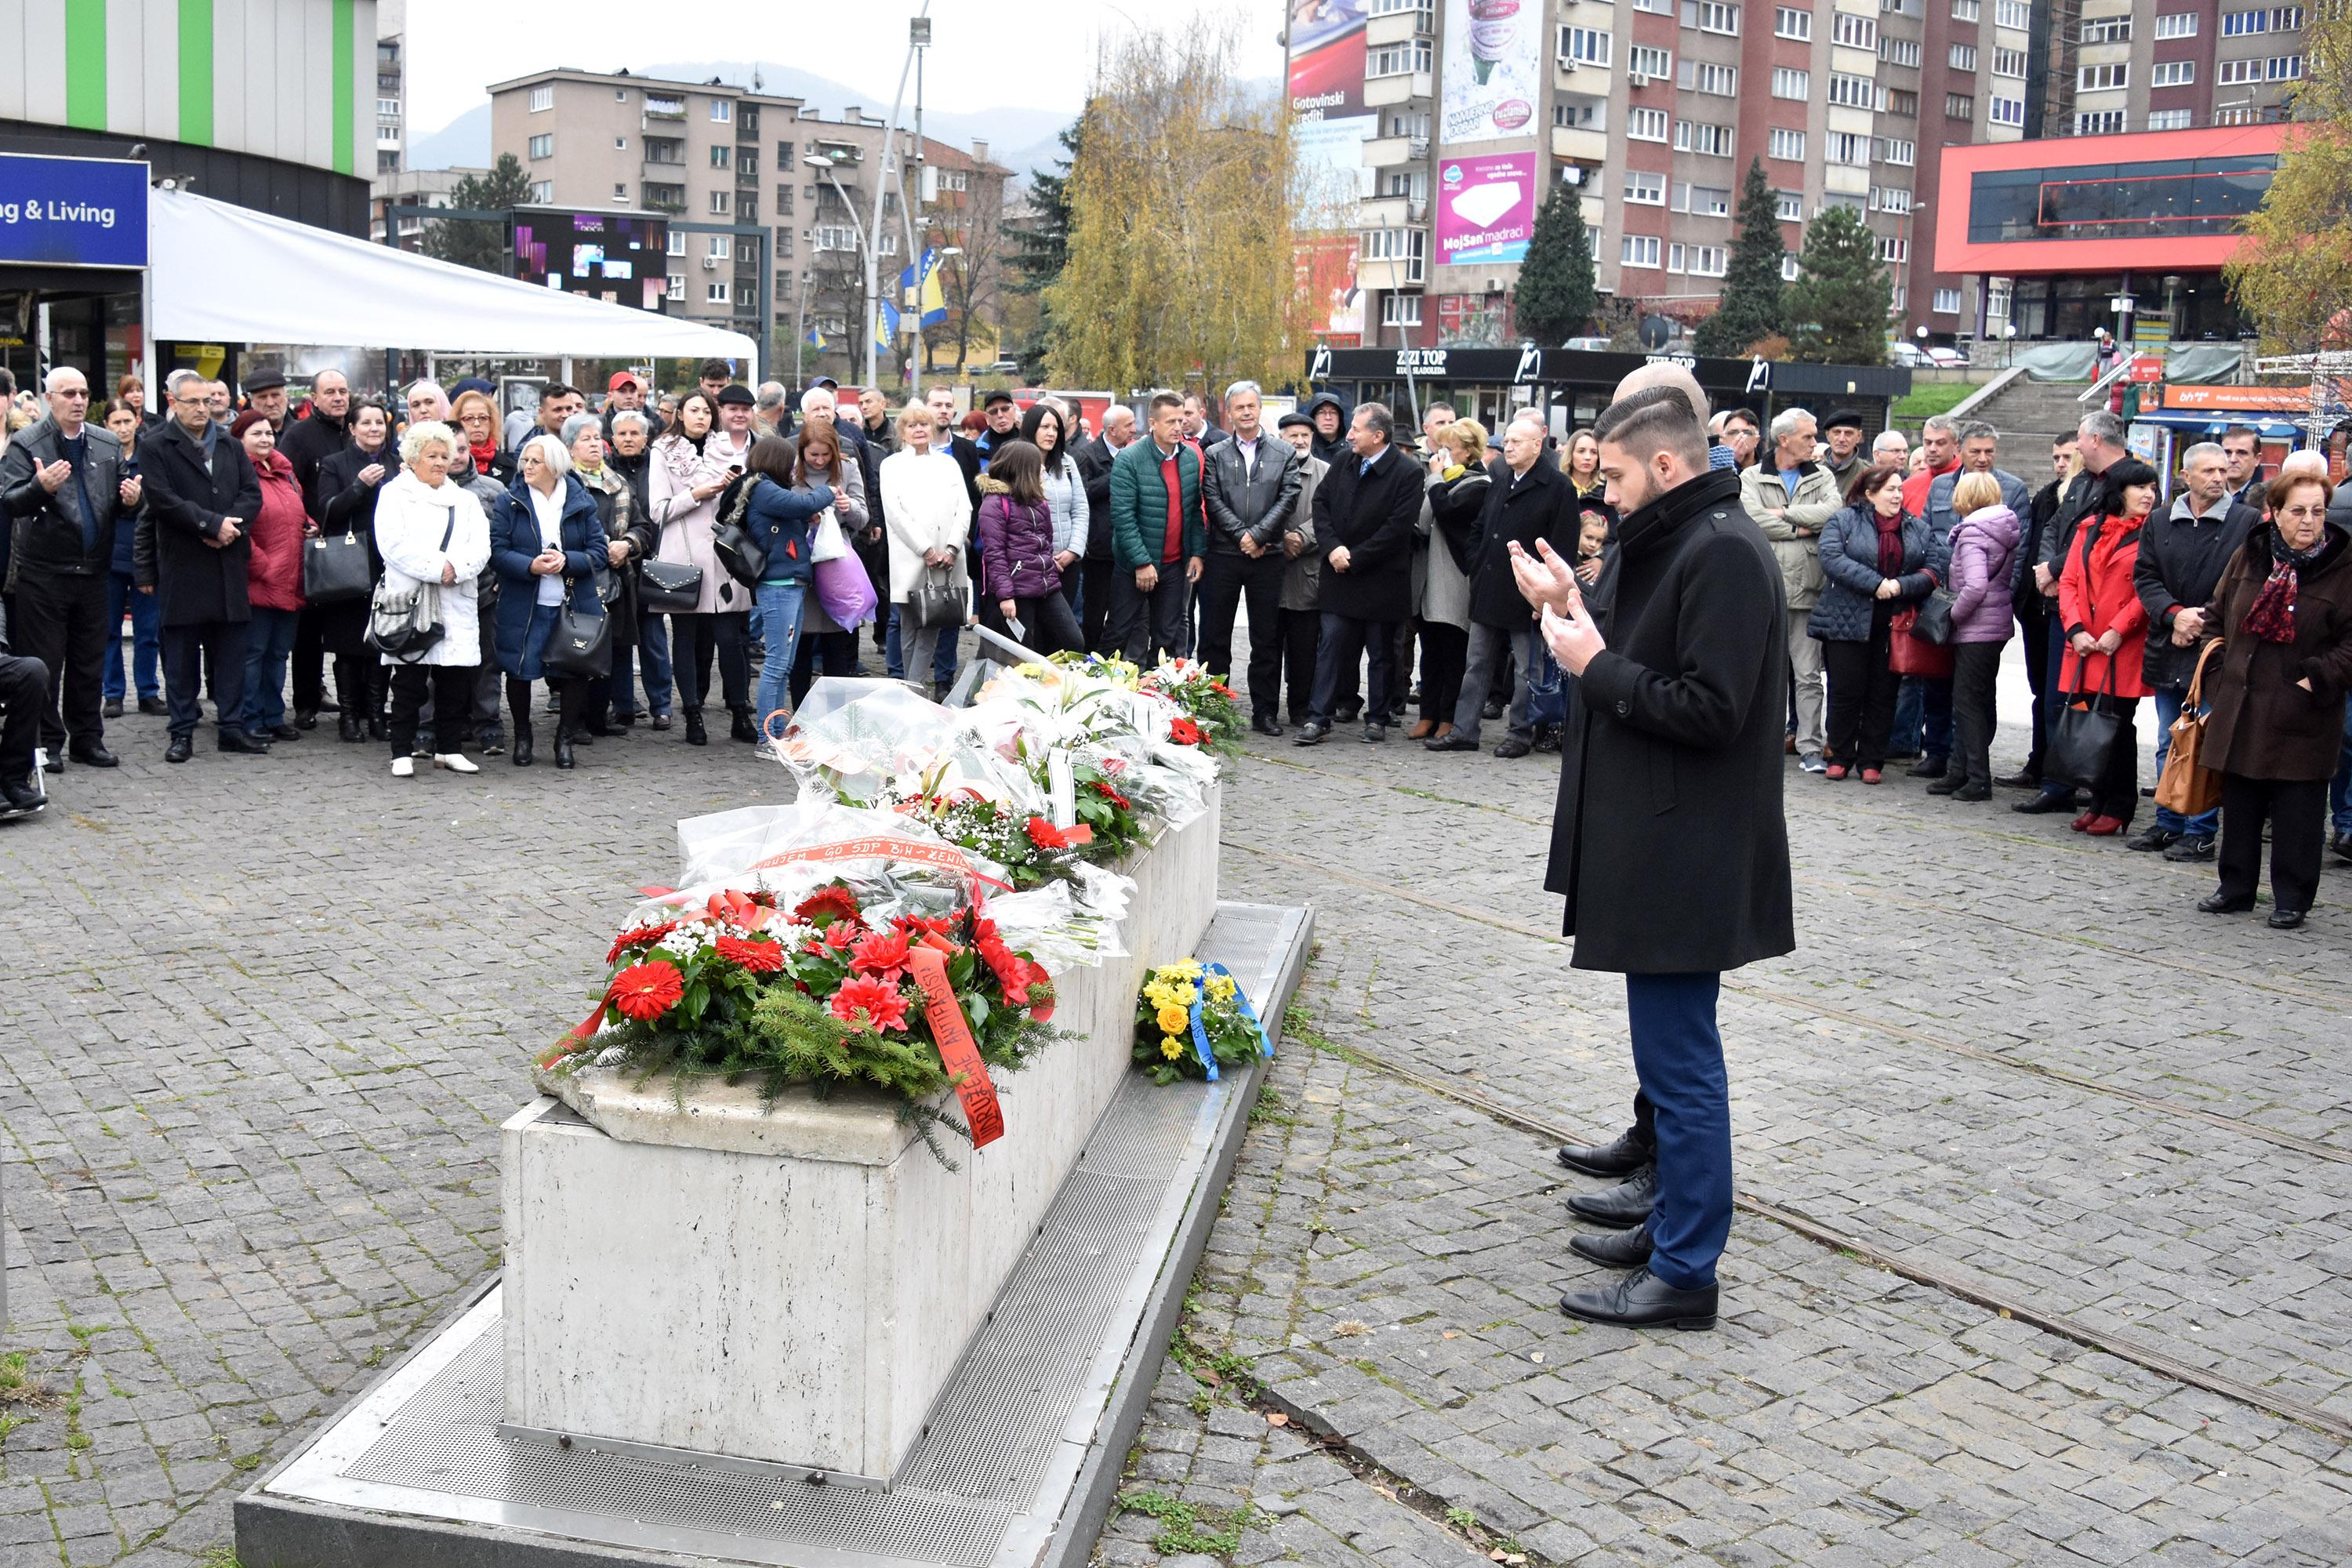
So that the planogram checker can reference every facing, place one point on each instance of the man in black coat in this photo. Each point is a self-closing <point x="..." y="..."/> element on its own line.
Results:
<point x="62" y="479"/>
<point x="1365" y="513"/>
<point x="307" y="443"/>
<point x="1250" y="485"/>
<point x="2183" y="550"/>
<point x="2100" y="440"/>
<point x="193" y="552"/>
<point x="1670" y="779"/>
<point x="1094" y="460"/>
<point x="2033" y="610"/>
<point x="1529" y="499"/>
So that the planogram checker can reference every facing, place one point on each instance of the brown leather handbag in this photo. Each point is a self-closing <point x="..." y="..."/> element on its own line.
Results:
<point x="2188" y="786"/>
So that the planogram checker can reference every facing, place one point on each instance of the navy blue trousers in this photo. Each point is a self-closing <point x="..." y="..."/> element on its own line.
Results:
<point x="1678" y="1056"/>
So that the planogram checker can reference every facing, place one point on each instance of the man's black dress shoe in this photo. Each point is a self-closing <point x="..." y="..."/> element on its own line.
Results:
<point x="238" y="740"/>
<point x="21" y="797"/>
<point x="1643" y="1301"/>
<point x="93" y="754"/>
<point x="2044" y="804"/>
<point x="1375" y="734"/>
<point x="288" y="731"/>
<point x="154" y="706"/>
<point x="1349" y="713"/>
<point x="1456" y="741"/>
<point x="2285" y="919"/>
<point x="2223" y="904"/>
<point x="1311" y="734"/>
<point x="1620" y="1157"/>
<point x="1628" y="1204"/>
<point x="2023" y="778"/>
<point x="1267" y="724"/>
<point x="1616" y="1248"/>
<point x="179" y="751"/>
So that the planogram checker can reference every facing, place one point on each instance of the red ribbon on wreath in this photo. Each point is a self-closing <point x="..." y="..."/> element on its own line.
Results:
<point x="958" y="1051"/>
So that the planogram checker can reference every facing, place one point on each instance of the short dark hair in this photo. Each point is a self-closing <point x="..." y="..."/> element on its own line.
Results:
<point x="714" y="370"/>
<point x="1039" y="412"/>
<point x="1868" y="482"/>
<point x="1748" y="414"/>
<point x="1378" y="416"/>
<point x="1654" y="419"/>
<point x="1020" y="467"/>
<point x="557" y="389"/>
<point x="1160" y="400"/>
<point x="2229" y="431"/>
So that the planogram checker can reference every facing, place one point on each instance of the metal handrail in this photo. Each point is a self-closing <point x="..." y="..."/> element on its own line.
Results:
<point x="2123" y="368"/>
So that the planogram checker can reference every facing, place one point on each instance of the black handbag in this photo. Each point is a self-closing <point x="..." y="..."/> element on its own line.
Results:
<point x="404" y="624"/>
<point x="938" y="599"/>
<point x="1935" y="622"/>
<point x="670" y="588"/>
<point x="741" y="551"/>
<point x="336" y="569"/>
<point x="2083" y="736"/>
<point x="581" y="646"/>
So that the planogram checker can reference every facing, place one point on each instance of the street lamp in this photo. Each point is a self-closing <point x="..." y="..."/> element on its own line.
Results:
<point x="873" y="282"/>
<point x="2007" y="341"/>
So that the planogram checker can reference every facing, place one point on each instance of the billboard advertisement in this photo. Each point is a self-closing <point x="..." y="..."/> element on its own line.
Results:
<point x="1328" y="119"/>
<point x="622" y="260"/>
<point x="1486" y="207"/>
<point x="1489" y="77"/>
<point x="1327" y="276"/>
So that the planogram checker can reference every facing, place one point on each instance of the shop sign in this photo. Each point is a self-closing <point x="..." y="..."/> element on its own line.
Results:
<point x="72" y="211"/>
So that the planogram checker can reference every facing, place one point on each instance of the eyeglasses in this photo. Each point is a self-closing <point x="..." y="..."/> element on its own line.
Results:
<point x="71" y="392"/>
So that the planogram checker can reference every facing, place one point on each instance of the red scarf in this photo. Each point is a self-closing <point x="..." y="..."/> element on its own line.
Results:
<point x="483" y="454"/>
<point x="1890" y="543"/>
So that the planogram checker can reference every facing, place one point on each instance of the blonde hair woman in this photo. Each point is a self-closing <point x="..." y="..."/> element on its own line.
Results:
<point x="432" y="534"/>
<point x="1449" y="518"/>
<point x="926" y="513"/>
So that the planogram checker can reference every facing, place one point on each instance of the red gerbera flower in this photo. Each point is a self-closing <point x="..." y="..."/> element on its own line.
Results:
<point x="840" y="935"/>
<point x="1046" y="836"/>
<point x="645" y="991"/>
<point x="1113" y="796"/>
<point x="915" y="927"/>
<point x="836" y="902"/>
<point x="1183" y="731"/>
<point x="641" y="936"/>
<point x="881" y="953"/>
<point x="870" y="1001"/>
<point x="1221" y="689"/>
<point x="759" y="957"/>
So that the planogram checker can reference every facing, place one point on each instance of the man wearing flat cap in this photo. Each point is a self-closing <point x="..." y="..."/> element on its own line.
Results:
<point x="1845" y="459"/>
<point x="265" y="393"/>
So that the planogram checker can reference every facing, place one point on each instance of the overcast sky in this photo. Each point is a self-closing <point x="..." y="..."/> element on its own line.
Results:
<point x="984" y="54"/>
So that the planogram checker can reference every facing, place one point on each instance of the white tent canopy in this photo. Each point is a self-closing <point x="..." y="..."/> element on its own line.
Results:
<point x="228" y="274"/>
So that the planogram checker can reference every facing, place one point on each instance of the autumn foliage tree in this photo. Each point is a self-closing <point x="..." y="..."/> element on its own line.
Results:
<point x="2289" y="274"/>
<point x="1180" y="236"/>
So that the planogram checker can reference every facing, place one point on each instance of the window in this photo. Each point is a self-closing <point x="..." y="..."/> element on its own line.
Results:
<point x="389" y="106"/>
<point x="715" y="293"/>
<point x="1893" y="250"/>
<point x="721" y="203"/>
<point x="1786" y="144"/>
<point x="1655" y="7"/>
<point x="1796" y="84"/>
<point x="1791" y="22"/>
<point x="1697" y="136"/>
<point x="2100" y="122"/>
<point x="1700" y="260"/>
<point x="1703" y="201"/>
<point x="2008" y="62"/>
<point x="1645" y="124"/>
<point x="1948" y="302"/>
<point x="542" y="97"/>
<point x="677" y="242"/>
<point x="620" y="143"/>
<point x="1788" y="206"/>
<point x="1398" y="59"/>
<point x="723" y="246"/>
<point x="2168" y="120"/>
<point x="1401" y="311"/>
<point x="1647" y="189"/>
<point x="2107" y="29"/>
<point x="1901" y="300"/>
<point x="2277" y="19"/>
<point x="1855" y="32"/>
<point x="1965" y="10"/>
<point x="2283" y="68"/>
<point x="664" y="150"/>
<point x="1711" y="16"/>
<point x="620" y="191"/>
<point x="1959" y="106"/>
<point x="1699" y="75"/>
<point x="1638" y="250"/>
<point x="678" y="284"/>
<point x="1641" y="60"/>
<point x="2174" y="73"/>
<point x="1901" y="101"/>
<point x="2016" y="14"/>
<point x="620" y="95"/>
<point x="1895" y="151"/>
<point x="2230" y="73"/>
<point x="2179" y="25"/>
<point x="1788" y="268"/>
<point x="2007" y="111"/>
<point x="1963" y="56"/>
<point x="1584" y="47"/>
<point x="747" y="163"/>
<point x="840" y="237"/>
<point x="2101" y="79"/>
<point x="1890" y="199"/>
<point x="1852" y="91"/>
<point x="2242" y="114"/>
<point x="1899" y="51"/>
<point x="543" y="192"/>
<point x="722" y="155"/>
<point x="723" y="112"/>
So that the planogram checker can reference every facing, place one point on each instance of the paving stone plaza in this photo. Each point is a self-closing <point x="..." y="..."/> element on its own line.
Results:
<point x="2046" y="1179"/>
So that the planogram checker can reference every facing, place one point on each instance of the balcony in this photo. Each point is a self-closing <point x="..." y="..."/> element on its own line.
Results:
<point x="1407" y="272"/>
<point x="663" y="198"/>
<point x="1401" y="25"/>
<point x="660" y="106"/>
<point x="1408" y="87"/>
<point x="1391" y="211"/>
<point x="1579" y="144"/>
<point x="1392" y="151"/>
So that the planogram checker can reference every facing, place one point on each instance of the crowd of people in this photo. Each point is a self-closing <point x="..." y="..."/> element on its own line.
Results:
<point x="731" y="526"/>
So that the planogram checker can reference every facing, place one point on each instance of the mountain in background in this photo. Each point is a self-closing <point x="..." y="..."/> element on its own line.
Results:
<point x="1020" y="139"/>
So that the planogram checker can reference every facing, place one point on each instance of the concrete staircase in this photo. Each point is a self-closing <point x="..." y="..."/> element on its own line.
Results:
<point x="2030" y="414"/>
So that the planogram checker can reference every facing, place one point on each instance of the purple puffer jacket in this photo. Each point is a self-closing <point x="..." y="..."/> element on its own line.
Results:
<point x="1984" y="543"/>
<point x="1017" y="547"/>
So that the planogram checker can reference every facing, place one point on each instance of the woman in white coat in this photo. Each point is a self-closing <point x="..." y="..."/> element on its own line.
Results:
<point x="927" y="515"/>
<point x="432" y="533"/>
<point x="688" y="470"/>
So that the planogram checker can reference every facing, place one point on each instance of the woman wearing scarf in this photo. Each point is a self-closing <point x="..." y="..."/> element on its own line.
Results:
<point x="628" y="538"/>
<point x="1874" y="563"/>
<point x="689" y="473"/>
<point x="2106" y="634"/>
<point x="546" y="544"/>
<point x="273" y="580"/>
<point x="2274" y="696"/>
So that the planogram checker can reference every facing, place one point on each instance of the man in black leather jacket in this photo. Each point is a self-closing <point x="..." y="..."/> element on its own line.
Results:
<point x="23" y="692"/>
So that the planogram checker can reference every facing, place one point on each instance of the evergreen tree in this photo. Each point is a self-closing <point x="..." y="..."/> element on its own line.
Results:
<point x="1556" y="294"/>
<point x="1751" y="304"/>
<point x="480" y="242"/>
<point x="1837" y="308"/>
<point x="1038" y="247"/>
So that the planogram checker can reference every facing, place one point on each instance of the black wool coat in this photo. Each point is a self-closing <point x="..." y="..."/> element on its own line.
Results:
<point x="1375" y="515"/>
<point x="1668" y="840"/>
<point x="1543" y="504"/>
<point x="187" y="497"/>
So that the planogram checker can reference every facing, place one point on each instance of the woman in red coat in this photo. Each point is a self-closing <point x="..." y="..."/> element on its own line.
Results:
<point x="2105" y="635"/>
<point x="273" y="579"/>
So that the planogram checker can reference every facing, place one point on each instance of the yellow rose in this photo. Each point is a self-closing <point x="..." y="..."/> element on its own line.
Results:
<point x="1170" y="1048"/>
<point x="1174" y="1020"/>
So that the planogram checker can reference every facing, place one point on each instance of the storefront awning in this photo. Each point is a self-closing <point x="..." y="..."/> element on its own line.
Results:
<point x="228" y="274"/>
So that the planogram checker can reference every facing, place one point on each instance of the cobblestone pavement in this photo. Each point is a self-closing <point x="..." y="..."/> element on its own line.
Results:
<point x="263" y="1017"/>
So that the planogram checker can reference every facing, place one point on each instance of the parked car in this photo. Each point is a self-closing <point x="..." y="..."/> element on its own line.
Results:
<point x="1943" y="358"/>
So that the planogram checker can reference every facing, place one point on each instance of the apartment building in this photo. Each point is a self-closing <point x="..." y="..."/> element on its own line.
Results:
<point x="1652" y="111"/>
<point x="391" y="86"/>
